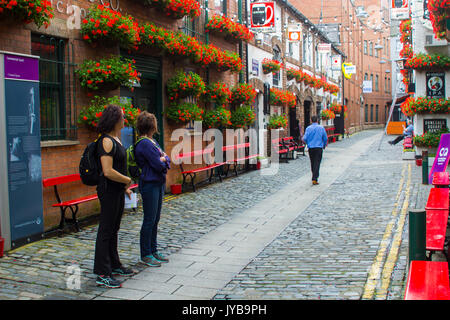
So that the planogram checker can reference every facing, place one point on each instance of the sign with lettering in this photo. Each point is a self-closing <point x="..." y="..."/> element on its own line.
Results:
<point x="262" y="16"/>
<point x="434" y="125"/>
<point x="442" y="157"/>
<point x="435" y="85"/>
<point x="400" y="9"/>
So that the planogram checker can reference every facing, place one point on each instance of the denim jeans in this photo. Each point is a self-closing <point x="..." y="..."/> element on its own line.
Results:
<point x="152" y="198"/>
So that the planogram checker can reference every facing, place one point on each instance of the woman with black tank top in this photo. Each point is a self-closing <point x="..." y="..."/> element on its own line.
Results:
<point x="111" y="190"/>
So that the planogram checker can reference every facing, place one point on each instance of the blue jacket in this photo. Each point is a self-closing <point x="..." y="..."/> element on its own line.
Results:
<point x="148" y="156"/>
<point x="409" y="131"/>
<point x="315" y="136"/>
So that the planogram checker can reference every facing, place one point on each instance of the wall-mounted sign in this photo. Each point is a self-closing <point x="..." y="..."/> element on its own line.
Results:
<point x="336" y="62"/>
<point x="324" y="48"/>
<point x="434" y="125"/>
<point x="348" y="69"/>
<point x="367" y="86"/>
<point x="255" y="67"/>
<point x="294" y="34"/>
<point x="442" y="156"/>
<point x="400" y="10"/>
<point x="435" y="85"/>
<point x="262" y="16"/>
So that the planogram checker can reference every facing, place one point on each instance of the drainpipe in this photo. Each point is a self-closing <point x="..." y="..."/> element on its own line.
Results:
<point x="206" y="37"/>
<point x="241" y="76"/>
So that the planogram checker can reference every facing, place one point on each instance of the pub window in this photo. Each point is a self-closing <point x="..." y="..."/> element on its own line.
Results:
<point x="366" y="77"/>
<point x="377" y="80"/>
<point x="195" y="27"/>
<point x="365" y="47"/>
<point x="371" y="113"/>
<point x="376" y="113"/>
<point x="366" y="113"/>
<point x="220" y="6"/>
<point x="56" y="87"/>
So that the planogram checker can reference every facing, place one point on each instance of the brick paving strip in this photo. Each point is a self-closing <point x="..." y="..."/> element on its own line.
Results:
<point x="202" y="268"/>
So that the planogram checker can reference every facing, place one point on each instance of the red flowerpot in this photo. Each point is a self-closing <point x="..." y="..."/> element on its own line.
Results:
<point x="419" y="162"/>
<point x="175" y="188"/>
<point x="2" y="245"/>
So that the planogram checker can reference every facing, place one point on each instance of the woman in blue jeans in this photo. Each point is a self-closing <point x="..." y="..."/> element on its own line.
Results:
<point x="154" y="164"/>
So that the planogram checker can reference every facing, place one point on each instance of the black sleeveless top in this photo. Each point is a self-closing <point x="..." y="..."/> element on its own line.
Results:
<point x="119" y="155"/>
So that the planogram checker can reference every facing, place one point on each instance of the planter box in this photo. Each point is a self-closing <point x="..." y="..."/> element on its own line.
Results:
<point x="410" y="155"/>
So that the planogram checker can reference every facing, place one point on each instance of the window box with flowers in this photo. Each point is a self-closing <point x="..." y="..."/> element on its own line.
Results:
<point x="271" y="66"/>
<point x="184" y="112"/>
<point x="217" y="93"/>
<point x="428" y="62"/>
<point x="89" y="116"/>
<point x="282" y="98"/>
<point x="327" y="114"/>
<point x="429" y="139"/>
<point x="232" y="31"/>
<point x="107" y="74"/>
<point x="244" y="94"/>
<point x="421" y="105"/>
<point x="277" y="122"/>
<point x="242" y="117"/>
<point x="176" y="9"/>
<point x="38" y="11"/>
<point x="439" y="13"/>
<point x="109" y="27"/>
<point x="217" y="118"/>
<point x="185" y="85"/>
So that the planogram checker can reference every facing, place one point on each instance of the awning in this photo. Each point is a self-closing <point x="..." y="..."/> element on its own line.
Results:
<point x="399" y="100"/>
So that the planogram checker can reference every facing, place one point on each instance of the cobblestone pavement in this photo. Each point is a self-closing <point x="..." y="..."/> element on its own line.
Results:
<point x="327" y="252"/>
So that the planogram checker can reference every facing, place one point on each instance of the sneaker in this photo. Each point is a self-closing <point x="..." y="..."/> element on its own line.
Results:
<point x="123" y="271"/>
<point x="151" y="261"/>
<point x="108" y="282"/>
<point x="315" y="183"/>
<point x="160" y="257"/>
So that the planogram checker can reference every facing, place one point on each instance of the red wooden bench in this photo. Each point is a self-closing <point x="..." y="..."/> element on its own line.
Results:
<point x="193" y="173"/>
<point x="293" y="145"/>
<point x="332" y="137"/>
<point x="69" y="204"/>
<point x="281" y="149"/>
<point x="436" y="229"/>
<point x="238" y="158"/>
<point x="441" y="180"/>
<point x="438" y="199"/>
<point x="427" y="280"/>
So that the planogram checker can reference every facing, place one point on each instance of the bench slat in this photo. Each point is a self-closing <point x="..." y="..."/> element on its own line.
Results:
<point x="427" y="280"/>
<point x="205" y="168"/>
<point x="60" y="180"/>
<point x="438" y="199"/>
<point x="436" y="229"/>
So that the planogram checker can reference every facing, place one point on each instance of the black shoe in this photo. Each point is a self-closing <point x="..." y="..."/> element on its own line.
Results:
<point x="108" y="282"/>
<point x="123" y="271"/>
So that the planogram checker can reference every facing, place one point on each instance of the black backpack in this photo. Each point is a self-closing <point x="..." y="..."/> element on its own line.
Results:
<point x="90" y="167"/>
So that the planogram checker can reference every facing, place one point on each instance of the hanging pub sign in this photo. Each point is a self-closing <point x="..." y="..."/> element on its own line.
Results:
<point x="435" y="85"/>
<point x="400" y="10"/>
<point x="324" y="48"/>
<point x="262" y="16"/>
<point x="336" y="62"/>
<point x="294" y="34"/>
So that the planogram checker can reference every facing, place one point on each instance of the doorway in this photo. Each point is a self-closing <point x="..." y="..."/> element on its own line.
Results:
<point x="307" y="113"/>
<point x="294" y="124"/>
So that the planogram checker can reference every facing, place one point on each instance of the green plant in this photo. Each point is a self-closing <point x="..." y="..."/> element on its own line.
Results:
<point x="112" y="72"/>
<point x="184" y="112"/>
<point x="430" y="139"/>
<point x="243" y="93"/>
<point x="216" y="118"/>
<point x="184" y="85"/>
<point x="91" y="114"/>
<point x="38" y="11"/>
<point x="422" y="105"/>
<point x="218" y="93"/>
<point x="277" y="121"/>
<point x="242" y="116"/>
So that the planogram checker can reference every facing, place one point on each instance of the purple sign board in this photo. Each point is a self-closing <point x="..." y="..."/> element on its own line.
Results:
<point x="442" y="157"/>
<point x="21" y="68"/>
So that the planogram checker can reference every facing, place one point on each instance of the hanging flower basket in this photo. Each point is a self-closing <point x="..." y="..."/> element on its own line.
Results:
<point x="428" y="62"/>
<point x="422" y="105"/>
<point x="38" y="11"/>
<point x="107" y="74"/>
<point x="271" y="66"/>
<point x="327" y="114"/>
<point x="218" y="93"/>
<point x="184" y="112"/>
<point x="176" y="9"/>
<point x="232" y="31"/>
<point x="243" y="93"/>
<point x="106" y="26"/>
<point x="439" y="13"/>
<point x="282" y="98"/>
<point x="277" y="121"/>
<point x="184" y="85"/>
<point x="90" y="115"/>
<point x="242" y="117"/>
<point x="429" y="139"/>
<point x="216" y="118"/>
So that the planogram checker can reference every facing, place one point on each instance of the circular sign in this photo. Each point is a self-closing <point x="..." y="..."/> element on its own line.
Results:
<point x="435" y="83"/>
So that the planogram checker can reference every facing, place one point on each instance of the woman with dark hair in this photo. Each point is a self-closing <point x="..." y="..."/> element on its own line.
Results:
<point x="111" y="190"/>
<point x="154" y="163"/>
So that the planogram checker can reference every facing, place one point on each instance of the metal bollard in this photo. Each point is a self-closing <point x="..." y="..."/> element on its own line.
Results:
<point x="425" y="167"/>
<point x="417" y="234"/>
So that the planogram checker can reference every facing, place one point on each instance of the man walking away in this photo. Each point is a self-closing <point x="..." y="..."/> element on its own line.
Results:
<point x="316" y="139"/>
<point x="408" y="132"/>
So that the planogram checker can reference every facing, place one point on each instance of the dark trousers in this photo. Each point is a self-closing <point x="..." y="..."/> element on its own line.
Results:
<point x="315" y="156"/>
<point x="152" y="198"/>
<point x="112" y="202"/>
<point x="398" y="139"/>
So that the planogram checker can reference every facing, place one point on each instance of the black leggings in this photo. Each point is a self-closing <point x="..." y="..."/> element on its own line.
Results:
<point x="112" y="203"/>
